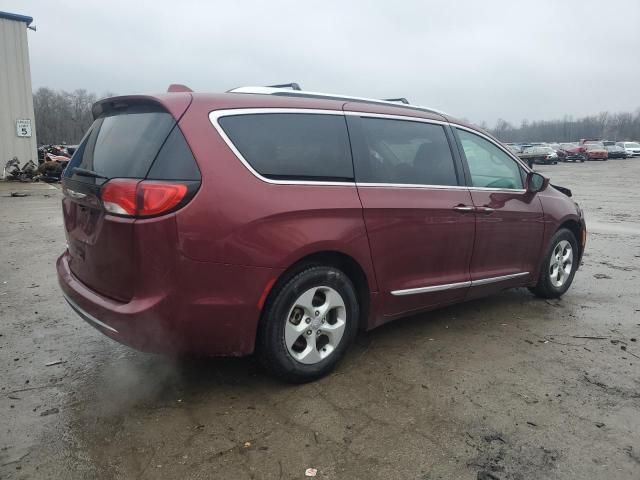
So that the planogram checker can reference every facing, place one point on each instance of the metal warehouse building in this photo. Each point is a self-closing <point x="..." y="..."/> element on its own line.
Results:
<point x="17" y="122"/>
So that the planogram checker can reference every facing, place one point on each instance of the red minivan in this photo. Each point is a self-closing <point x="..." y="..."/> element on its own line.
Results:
<point x="282" y="221"/>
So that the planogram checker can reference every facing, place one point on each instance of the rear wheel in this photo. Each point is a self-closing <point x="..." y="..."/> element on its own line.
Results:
<point x="559" y="266"/>
<point x="308" y="323"/>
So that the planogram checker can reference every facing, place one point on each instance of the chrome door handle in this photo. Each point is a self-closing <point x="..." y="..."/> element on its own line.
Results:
<point x="463" y="208"/>
<point x="485" y="210"/>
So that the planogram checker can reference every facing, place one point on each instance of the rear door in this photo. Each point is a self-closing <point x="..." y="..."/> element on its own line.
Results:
<point x="123" y="142"/>
<point x="509" y="219"/>
<point x="418" y="214"/>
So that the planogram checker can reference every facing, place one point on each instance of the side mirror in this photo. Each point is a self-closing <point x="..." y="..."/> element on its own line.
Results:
<point x="536" y="182"/>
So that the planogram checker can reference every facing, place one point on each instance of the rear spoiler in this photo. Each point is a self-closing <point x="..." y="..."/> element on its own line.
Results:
<point x="175" y="103"/>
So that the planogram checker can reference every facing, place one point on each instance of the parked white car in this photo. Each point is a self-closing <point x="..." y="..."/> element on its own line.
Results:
<point x="632" y="148"/>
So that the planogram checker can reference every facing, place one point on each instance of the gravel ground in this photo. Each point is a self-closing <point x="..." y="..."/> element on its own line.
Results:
<point x="507" y="387"/>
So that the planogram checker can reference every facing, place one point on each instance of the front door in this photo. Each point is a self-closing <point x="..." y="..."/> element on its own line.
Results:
<point x="509" y="219"/>
<point x="417" y="212"/>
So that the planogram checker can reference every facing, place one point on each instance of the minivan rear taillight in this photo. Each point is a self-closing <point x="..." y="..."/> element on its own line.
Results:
<point x="142" y="198"/>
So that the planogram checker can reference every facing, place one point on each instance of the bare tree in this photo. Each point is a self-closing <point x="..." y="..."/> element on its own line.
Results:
<point x="62" y="117"/>
<point x="606" y="126"/>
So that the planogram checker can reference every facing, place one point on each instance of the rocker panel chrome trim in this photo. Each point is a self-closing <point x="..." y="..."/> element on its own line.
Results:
<point x="452" y="286"/>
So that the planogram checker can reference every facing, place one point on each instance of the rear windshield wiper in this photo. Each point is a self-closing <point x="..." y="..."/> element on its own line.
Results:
<point x="84" y="172"/>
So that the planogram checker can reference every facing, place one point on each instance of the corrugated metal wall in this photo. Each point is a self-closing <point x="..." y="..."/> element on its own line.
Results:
<point x="16" y="97"/>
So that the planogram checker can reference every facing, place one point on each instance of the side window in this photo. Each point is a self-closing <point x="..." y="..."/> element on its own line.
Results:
<point x="490" y="167"/>
<point x="406" y="152"/>
<point x="293" y="146"/>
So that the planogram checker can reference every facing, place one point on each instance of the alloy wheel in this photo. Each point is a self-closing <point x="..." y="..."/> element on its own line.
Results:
<point x="561" y="263"/>
<point x="315" y="325"/>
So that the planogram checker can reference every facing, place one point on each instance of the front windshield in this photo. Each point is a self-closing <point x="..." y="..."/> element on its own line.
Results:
<point x="632" y="145"/>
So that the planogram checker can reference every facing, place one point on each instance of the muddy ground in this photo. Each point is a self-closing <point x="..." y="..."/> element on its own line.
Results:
<point x="507" y="387"/>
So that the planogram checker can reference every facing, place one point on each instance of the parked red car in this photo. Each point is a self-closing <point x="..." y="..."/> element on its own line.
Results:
<point x="596" y="151"/>
<point x="570" y="152"/>
<point x="281" y="222"/>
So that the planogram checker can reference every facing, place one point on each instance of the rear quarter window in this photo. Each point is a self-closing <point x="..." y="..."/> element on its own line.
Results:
<point x="292" y="146"/>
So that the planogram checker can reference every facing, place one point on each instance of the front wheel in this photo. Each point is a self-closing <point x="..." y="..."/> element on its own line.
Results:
<point x="308" y="324"/>
<point x="559" y="266"/>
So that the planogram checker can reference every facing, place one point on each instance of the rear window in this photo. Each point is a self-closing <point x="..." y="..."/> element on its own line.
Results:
<point x="293" y="146"/>
<point x="124" y="144"/>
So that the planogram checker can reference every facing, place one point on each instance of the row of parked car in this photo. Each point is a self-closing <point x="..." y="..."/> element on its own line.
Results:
<point x="585" y="149"/>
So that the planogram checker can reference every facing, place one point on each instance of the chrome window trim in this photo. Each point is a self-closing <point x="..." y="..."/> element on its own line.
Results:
<point x="491" y="140"/>
<point x="412" y="185"/>
<point x="438" y="187"/>
<point x="500" y="190"/>
<point x="86" y="316"/>
<point x="355" y="113"/>
<point x="216" y="115"/>
<point x="452" y="286"/>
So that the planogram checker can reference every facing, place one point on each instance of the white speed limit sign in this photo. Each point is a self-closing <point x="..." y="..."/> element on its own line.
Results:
<point x="23" y="128"/>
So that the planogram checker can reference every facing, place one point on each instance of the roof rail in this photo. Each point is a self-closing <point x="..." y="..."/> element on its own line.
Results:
<point x="292" y="86"/>
<point x="275" y="90"/>
<point x="399" y="99"/>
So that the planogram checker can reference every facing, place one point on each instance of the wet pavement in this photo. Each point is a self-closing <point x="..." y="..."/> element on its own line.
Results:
<point x="507" y="387"/>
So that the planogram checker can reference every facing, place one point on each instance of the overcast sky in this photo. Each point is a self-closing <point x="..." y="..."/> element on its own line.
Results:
<point x="481" y="60"/>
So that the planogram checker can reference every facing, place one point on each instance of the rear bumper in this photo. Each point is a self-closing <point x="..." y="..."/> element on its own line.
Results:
<point x="207" y="309"/>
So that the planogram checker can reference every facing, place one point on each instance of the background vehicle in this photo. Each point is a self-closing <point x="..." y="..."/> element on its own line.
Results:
<point x="596" y="151"/>
<point x="615" y="151"/>
<point x="632" y="148"/>
<point x="570" y="152"/>
<point x="255" y="219"/>
<point x="541" y="154"/>
<point x="513" y="148"/>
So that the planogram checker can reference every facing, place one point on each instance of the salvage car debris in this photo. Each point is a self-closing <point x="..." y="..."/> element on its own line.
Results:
<point x="52" y="160"/>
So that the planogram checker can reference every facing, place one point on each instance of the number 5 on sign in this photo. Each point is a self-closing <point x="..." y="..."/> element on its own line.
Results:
<point x="23" y="128"/>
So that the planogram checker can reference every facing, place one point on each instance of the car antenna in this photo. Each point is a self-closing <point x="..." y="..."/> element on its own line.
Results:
<point x="177" y="87"/>
<point x="399" y="99"/>
<point x="292" y="86"/>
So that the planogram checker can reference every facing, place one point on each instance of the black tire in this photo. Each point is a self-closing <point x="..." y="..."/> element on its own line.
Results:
<point x="545" y="288"/>
<point x="271" y="347"/>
